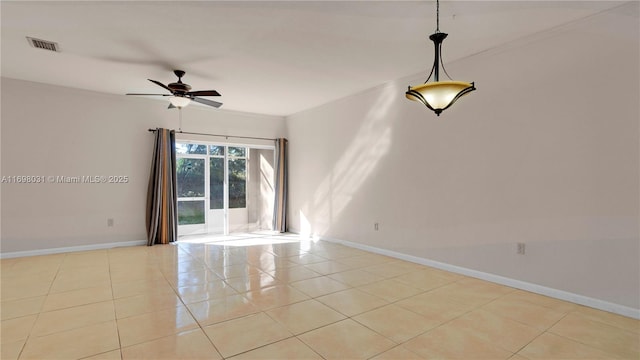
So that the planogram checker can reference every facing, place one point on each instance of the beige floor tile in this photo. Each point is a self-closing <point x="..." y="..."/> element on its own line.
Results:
<point x="23" y="290"/>
<point x="139" y="287"/>
<point x="352" y="302"/>
<point x="182" y="267"/>
<point x="220" y="260"/>
<point x="550" y="346"/>
<point x="247" y="333"/>
<point x="397" y="353"/>
<point x="145" y="303"/>
<point x="77" y="297"/>
<point x="73" y="344"/>
<point x="423" y="279"/>
<point x="328" y="267"/>
<point x="293" y="274"/>
<point x="527" y="313"/>
<point x="239" y="270"/>
<point x="11" y="351"/>
<point x="306" y="259"/>
<point x="496" y="329"/>
<point x="607" y="338"/>
<point x="38" y="264"/>
<point x="12" y="278"/>
<point x="18" y="308"/>
<point x="16" y="329"/>
<point x="275" y="296"/>
<point x="252" y="282"/>
<point x="355" y="277"/>
<point x="618" y="321"/>
<point x="214" y="311"/>
<point x="188" y="345"/>
<point x="338" y="253"/>
<point x="319" y="286"/>
<point x="358" y="262"/>
<point x="269" y="262"/>
<point x="446" y="274"/>
<point x="409" y="265"/>
<point x="447" y="342"/>
<point x="473" y="292"/>
<point x="72" y="318"/>
<point x="74" y="279"/>
<point x="346" y="340"/>
<point x="391" y="290"/>
<point x="191" y="278"/>
<point x="98" y="258"/>
<point x="109" y="355"/>
<point x="396" y="323"/>
<point x="541" y="300"/>
<point x="304" y="316"/>
<point x="291" y="348"/>
<point x="388" y="270"/>
<point x="517" y="357"/>
<point x="209" y="291"/>
<point x="142" y="328"/>
<point x="132" y="272"/>
<point x="435" y="307"/>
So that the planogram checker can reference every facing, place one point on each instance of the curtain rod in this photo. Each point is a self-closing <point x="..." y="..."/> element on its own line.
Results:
<point x="224" y="136"/>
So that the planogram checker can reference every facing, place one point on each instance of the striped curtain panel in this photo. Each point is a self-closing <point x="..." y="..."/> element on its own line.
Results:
<point x="280" y="204"/>
<point x="162" y="216"/>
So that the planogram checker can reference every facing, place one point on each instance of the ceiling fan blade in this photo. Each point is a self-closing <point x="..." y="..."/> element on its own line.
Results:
<point x="150" y="94"/>
<point x="207" y="102"/>
<point x="161" y="84"/>
<point x="204" y="93"/>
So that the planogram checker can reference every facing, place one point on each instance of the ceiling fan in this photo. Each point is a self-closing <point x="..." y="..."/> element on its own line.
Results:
<point x="181" y="95"/>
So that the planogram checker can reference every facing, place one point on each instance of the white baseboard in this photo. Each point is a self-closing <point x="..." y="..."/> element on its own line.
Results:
<point x="60" y="250"/>
<point x="518" y="284"/>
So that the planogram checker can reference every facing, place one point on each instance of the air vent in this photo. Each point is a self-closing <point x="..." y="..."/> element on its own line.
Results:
<point x="43" y="44"/>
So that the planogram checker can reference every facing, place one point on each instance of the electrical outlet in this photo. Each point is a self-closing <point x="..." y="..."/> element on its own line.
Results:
<point x="110" y="222"/>
<point x="520" y="249"/>
<point x="375" y="226"/>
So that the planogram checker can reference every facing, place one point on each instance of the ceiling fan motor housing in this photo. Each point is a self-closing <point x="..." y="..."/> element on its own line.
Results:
<point x="179" y="86"/>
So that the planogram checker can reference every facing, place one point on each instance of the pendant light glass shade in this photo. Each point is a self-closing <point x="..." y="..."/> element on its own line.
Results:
<point x="439" y="95"/>
<point x="179" y="101"/>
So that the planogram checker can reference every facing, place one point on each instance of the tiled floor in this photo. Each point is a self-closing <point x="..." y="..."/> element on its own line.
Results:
<point x="276" y="297"/>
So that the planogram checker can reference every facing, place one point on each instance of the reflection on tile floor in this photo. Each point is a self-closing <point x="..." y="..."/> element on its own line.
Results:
<point x="259" y="296"/>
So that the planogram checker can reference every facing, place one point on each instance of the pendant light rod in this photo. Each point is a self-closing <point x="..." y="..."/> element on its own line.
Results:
<point x="437" y="38"/>
<point x="437" y="16"/>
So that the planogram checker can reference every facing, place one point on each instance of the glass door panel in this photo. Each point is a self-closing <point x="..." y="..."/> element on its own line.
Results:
<point x="237" y="165"/>
<point x="190" y="174"/>
<point x="217" y="214"/>
<point x="237" y="183"/>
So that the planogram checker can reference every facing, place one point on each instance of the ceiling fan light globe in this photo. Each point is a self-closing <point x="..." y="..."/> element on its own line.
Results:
<point x="179" y="101"/>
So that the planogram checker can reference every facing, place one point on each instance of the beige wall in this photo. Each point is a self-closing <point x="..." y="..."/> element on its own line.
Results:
<point x="50" y="130"/>
<point x="545" y="152"/>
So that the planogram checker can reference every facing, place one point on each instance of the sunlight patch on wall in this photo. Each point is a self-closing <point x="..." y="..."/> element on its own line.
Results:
<point x="369" y="145"/>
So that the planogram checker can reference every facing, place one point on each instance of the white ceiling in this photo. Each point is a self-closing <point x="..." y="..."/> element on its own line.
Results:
<point x="264" y="57"/>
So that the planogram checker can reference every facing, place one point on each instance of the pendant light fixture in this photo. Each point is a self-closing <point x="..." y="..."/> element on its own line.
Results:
<point x="439" y="95"/>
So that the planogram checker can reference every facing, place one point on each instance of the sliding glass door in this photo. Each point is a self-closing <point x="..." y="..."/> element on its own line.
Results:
<point x="213" y="188"/>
